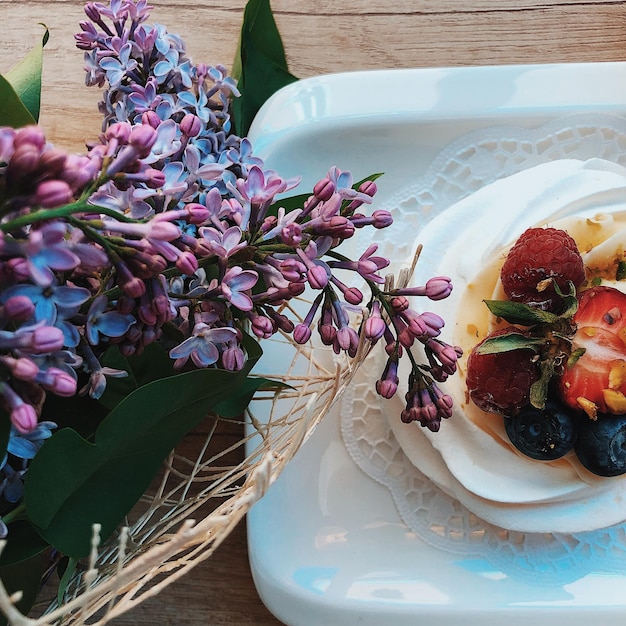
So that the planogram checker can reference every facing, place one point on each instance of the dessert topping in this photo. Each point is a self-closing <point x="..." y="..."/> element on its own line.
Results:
<point x="542" y="261"/>
<point x="595" y="378"/>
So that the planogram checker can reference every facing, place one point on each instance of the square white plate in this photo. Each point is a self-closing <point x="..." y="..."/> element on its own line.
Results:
<point x="326" y="544"/>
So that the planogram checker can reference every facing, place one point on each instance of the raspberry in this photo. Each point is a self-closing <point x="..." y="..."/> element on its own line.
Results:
<point x="500" y="382"/>
<point x="540" y="254"/>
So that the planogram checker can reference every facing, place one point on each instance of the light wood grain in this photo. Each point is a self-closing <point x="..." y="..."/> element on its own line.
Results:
<point x="320" y="36"/>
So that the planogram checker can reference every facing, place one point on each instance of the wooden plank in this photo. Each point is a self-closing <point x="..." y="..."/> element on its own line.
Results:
<point x="320" y="36"/>
<point x="340" y="42"/>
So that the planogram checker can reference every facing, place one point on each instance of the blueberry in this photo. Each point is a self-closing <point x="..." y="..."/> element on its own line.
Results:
<point x="543" y="434"/>
<point x="601" y="445"/>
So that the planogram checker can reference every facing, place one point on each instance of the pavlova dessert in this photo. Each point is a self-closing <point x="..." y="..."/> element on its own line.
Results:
<point x="537" y="441"/>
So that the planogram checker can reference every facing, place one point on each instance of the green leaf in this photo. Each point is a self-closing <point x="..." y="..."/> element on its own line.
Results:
<point x="621" y="271"/>
<point x="25" y="77"/>
<point x="100" y="482"/>
<point x="570" y="301"/>
<point x="574" y="356"/>
<point x="23" y="543"/>
<point x="236" y="405"/>
<point x="152" y="364"/>
<point x="23" y="576"/>
<point x="519" y="313"/>
<point x="260" y="64"/>
<point x="81" y="413"/>
<point x="509" y="341"/>
<point x="68" y="572"/>
<point x="539" y="389"/>
<point x="12" y="110"/>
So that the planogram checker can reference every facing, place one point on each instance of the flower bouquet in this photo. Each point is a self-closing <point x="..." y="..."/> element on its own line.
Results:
<point x="138" y="283"/>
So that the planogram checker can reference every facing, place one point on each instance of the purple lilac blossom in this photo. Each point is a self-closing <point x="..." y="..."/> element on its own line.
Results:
<point x="170" y="218"/>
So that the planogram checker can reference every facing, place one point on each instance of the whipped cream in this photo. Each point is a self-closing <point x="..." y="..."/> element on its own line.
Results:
<point x="471" y="457"/>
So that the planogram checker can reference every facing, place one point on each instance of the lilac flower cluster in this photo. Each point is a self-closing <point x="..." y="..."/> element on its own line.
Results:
<point x="169" y="222"/>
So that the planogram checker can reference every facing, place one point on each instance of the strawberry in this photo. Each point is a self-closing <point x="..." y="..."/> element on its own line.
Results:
<point x="595" y="379"/>
<point x="539" y="259"/>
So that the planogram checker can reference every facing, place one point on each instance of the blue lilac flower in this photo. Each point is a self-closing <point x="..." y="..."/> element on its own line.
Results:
<point x="101" y="321"/>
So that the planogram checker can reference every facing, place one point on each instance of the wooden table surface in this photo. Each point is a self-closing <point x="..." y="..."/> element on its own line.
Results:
<point x="320" y="37"/>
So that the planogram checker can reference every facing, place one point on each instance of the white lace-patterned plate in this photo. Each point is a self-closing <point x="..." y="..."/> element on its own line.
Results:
<point x="361" y="537"/>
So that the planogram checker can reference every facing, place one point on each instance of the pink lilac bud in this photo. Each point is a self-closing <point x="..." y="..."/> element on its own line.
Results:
<point x="197" y="213"/>
<point x="382" y="219"/>
<point x="448" y="355"/>
<point x="118" y="133"/>
<point x="269" y="223"/>
<point x="19" y="308"/>
<point x="18" y="268"/>
<point x="187" y="263"/>
<point x="46" y="339"/>
<point x="80" y="170"/>
<point x="353" y="295"/>
<point x="293" y="270"/>
<point x="317" y="276"/>
<point x="131" y="285"/>
<point x="301" y="333"/>
<point x="336" y="226"/>
<point x="368" y="187"/>
<point x="406" y="338"/>
<point x="233" y="359"/>
<point x="324" y="189"/>
<point x="374" y="326"/>
<point x="327" y="333"/>
<point x="127" y="349"/>
<point x="58" y="381"/>
<point x="379" y="219"/>
<point x="191" y="125"/>
<point x="423" y="325"/>
<point x="52" y="161"/>
<point x="52" y="193"/>
<point x="399" y="304"/>
<point x="392" y="346"/>
<point x="30" y="135"/>
<point x="262" y="326"/>
<point x="150" y="118"/>
<point x="92" y="12"/>
<point x="24" y="161"/>
<point x="142" y="138"/>
<point x="22" y="367"/>
<point x="24" y="418"/>
<point x="347" y="338"/>
<point x="443" y="401"/>
<point x="386" y="388"/>
<point x="438" y="288"/>
<point x="388" y="383"/>
<point x="281" y="321"/>
<point x="153" y="179"/>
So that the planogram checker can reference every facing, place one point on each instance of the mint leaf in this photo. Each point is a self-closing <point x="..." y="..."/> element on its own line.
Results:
<point x="519" y="313"/>
<point x="509" y="341"/>
<point x="539" y="389"/>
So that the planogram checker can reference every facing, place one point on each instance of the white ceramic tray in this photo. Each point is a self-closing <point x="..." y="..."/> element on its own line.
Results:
<point x="327" y="546"/>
